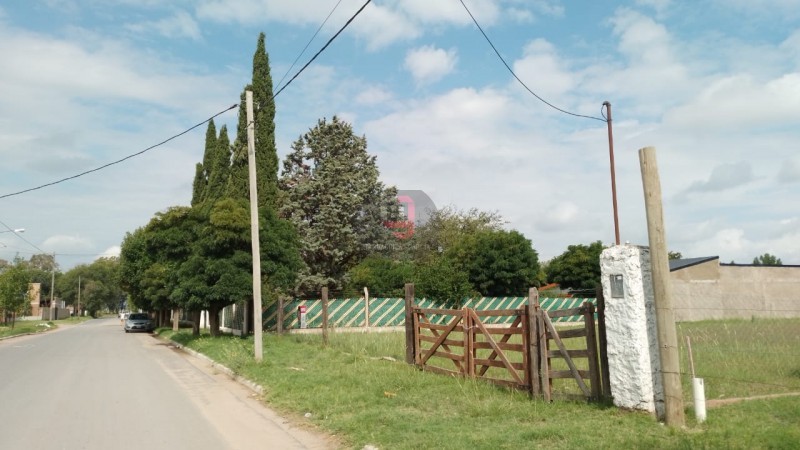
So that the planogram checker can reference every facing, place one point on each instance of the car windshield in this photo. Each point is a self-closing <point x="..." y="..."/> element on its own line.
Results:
<point x="138" y="317"/>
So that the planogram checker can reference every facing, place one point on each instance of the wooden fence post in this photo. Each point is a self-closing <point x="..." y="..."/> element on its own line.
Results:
<point x="531" y="310"/>
<point x="410" y="332"/>
<point x="603" y="342"/>
<point x="325" y="315"/>
<point x="366" y="307"/>
<point x="591" y="348"/>
<point x="280" y="315"/>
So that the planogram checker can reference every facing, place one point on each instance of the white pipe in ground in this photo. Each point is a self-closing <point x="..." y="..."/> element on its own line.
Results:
<point x="699" y="392"/>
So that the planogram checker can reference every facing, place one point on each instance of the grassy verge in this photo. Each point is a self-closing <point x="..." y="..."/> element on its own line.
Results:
<point x="25" y="327"/>
<point x="358" y="389"/>
<point x="37" y="326"/>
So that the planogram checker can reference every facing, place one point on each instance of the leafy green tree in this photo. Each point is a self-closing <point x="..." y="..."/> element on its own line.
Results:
<point x="674" y="255"/>
<point x="134" y="260"/>
<point x="150" y="258"/>
<point x="335" y="200"/>
<point x="13" y="290"/>
<point x="578" y="268"/>
<point x="99" y="284"/>
<point x="767" y="260"/>
<point x="499" y="262"/>
<point x="382" y="276"/>
<point x="448" y="227"/>
<point x="42" y="268"/>
<point x="439" y="278"/>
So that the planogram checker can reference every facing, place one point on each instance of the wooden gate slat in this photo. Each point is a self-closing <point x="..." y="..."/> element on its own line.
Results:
<point x="497" y="349"/>
<point x="440" y="339"/>
<point x="504" y="340"/>
<point x="564" y="352"/>
<point x="445" y="344"/>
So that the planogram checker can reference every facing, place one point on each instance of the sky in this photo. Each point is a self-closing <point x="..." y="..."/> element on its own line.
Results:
<point x="714" y="86"/>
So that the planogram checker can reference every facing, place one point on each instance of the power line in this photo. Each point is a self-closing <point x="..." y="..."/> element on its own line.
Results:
<point x="309" y="43"/>
<point x="119" y="160"/>
<point x="20" y="236"/>
<point x="322" y="49"/>
<point x="201" y="123"/>
<point x="515" y="75"/>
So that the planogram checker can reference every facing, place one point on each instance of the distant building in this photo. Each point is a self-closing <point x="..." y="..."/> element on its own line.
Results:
<point x="705" y="289"/>
<point x="415" y="209"/>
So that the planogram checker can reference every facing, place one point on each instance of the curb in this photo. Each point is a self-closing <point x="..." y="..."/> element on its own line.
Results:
<point x="256" y="388"/>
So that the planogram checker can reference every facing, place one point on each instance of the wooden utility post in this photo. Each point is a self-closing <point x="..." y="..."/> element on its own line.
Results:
<point x="256" y="247"/>
<point x="410" y="341"/>
<point x="662" y="290"/>
<point x="325" y="315"/>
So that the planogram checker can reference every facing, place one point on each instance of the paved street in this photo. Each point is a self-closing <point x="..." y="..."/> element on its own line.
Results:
<point x="92" y="386"/>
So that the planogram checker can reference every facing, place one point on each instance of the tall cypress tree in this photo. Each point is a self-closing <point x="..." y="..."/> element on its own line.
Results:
<point x="266" y="151"/>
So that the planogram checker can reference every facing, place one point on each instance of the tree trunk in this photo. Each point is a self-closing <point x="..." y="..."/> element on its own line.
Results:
<point x="195" y="323"/>
<point x="213" y="320"/>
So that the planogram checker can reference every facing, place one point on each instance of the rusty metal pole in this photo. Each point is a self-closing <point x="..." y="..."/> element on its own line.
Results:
<point x="613" y="175"/>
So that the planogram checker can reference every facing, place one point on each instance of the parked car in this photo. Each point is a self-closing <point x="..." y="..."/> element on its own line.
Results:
<point x="139" y="322"/>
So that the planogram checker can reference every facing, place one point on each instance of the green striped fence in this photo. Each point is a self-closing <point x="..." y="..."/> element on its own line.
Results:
<point x="389" y="312"/>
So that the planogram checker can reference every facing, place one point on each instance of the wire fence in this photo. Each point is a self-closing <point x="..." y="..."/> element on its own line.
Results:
<point x="740" y="358"/>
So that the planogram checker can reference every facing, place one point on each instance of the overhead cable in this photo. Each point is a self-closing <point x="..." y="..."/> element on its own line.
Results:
<point x="309" y="43"/>
<point x="322" y="49"/>
<point x="515" y="75"/>
<point x="120" y="160"/>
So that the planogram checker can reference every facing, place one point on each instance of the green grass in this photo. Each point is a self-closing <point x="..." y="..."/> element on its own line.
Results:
<point x="37" y="326"/>
<point x="742" y="358"/>
<point x="25" y="327"/>
<point x="352" y="392"/>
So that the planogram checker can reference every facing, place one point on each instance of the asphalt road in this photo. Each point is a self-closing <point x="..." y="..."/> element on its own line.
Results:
<point x="92" y="386"/>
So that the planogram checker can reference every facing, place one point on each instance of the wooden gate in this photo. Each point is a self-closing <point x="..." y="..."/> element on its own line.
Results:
<point x="470" y="343"/>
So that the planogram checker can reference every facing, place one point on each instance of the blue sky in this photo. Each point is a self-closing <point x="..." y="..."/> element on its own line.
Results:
<point x="713" y="85"/>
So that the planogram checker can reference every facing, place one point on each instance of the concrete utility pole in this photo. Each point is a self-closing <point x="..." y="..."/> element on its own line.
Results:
<point x="78" y="312"/>
<point x="251" y="164"/>
<point x="53" y="308"/>
<point x="662" y="290"/>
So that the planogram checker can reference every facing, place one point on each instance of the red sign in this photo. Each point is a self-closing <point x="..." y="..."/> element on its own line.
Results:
<point x="301" y="309"/>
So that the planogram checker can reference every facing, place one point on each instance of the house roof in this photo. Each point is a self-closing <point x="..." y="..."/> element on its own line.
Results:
<point x="678" y="264"/>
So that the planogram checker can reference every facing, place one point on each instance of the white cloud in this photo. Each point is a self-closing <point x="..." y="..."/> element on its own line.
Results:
<point x="67" y="244"/>
<point x="429" y="64"/>
<point x="741" y="102"/>
<point x="374" y="95"/>
<point x="425" y="11"/>
<point x="181" y="25"/>
<point x="543" y="71"/>
<point x="789" y="172"/>
<point x="725" y="176"/>
<point x="112" y="252"/>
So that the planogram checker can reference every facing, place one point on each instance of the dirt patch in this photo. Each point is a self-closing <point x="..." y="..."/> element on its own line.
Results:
<point x="730" y="401"/>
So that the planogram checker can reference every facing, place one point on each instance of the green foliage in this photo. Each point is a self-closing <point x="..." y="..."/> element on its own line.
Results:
<point x="13" y="288"/>
<point x="439" y="278"/>
<point x="336" y="202"/>
<point x="767" y="260"/>
<point x="499" y="262"/>
<point x="150" y="258"/>
<point x="266" y="153"/>
<point x="448" y="228"/>
<point x="99" y="285"/>
<point x="383" y="277"/>
<point x="674" y="255"/>
<point x="577" y="268"/>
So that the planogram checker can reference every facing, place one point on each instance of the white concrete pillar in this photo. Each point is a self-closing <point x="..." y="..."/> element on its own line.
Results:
<point x="634" y="365"/>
